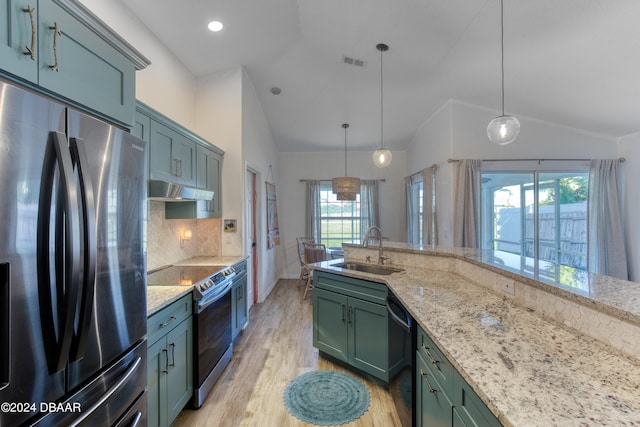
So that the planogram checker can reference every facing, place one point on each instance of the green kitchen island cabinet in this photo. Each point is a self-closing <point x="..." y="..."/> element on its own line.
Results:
<point x="443" y="397"/>
<point x="351" y="325"/>
<point x="170" y="362"/>
<point x="58" y="47"/>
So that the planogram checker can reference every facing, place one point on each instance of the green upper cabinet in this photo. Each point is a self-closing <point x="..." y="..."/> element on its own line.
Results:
<point x="60" y="48"/>
<point x="18" y="38"/>
<point x="178" y="156"/>
<point x="172" y="156"/>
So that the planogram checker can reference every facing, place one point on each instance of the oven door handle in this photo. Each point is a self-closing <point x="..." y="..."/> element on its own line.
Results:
<point x="202" y="305"/>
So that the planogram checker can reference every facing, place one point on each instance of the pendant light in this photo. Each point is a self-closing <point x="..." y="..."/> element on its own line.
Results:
<point x="382" y="156"/>
<point x="503" y="129"/>
<point x="345" y="187"/>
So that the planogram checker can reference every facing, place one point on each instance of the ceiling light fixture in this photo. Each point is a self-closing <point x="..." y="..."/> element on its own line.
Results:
<point x="345" y="187"/>
<point x="382" y="156"/>
<point x="215" y="26"/>
<point x="503" y="129"/>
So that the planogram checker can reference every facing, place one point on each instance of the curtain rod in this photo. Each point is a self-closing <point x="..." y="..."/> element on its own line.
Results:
<point x="622" y="159"/>
<point x="305" y="180"/>
<point x="435" y="166"/>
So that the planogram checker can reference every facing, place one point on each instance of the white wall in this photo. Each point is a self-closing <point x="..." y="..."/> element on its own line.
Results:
<point x="458" y="130"/>
<point x="165" y="85"/>
<point x="219" y="120"/>
<point x="260" y="153"/>
<point x="295" y="166"/>
<point x="629" y="148"/>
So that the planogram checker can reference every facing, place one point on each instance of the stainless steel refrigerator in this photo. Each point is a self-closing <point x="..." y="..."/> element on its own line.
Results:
<point x="72" y="267"/>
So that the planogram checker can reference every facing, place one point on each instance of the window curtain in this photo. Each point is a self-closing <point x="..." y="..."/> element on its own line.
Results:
<point x="312" y="225"/>
<point x="606" y="245"/>
<point x="429" y="223"/>
<point x="466" y="216"/>
<point x="410" y="209"/>
<point x="369" y="211"/>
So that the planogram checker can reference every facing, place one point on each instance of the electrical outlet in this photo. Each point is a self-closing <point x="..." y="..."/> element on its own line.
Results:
<point x="507" y="285"/>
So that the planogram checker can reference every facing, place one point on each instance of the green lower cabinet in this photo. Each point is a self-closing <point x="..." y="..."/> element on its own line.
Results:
<point x="354" y="330"/>
<point x="239" y="314"/>
<point x="469" y="408"/>
<point x="434" y="407"/>
<point x="443" y="397"/>
<point x="170" y="374"/>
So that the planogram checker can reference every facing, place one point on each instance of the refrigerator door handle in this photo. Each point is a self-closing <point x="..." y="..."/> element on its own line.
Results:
<point x="5" y="327"/>
<point x="125" y="377"/>
<point x="88" y="247"/>
<point x="57" y="342"/>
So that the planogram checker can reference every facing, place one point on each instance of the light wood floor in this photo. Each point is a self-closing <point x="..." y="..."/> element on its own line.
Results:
<point x="275" y="348"/>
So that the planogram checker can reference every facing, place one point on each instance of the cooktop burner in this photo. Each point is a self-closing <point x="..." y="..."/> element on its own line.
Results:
<point x="181" y="275"/>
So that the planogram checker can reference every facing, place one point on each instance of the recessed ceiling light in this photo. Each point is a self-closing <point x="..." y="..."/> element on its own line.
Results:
<point x="215" y="26"/>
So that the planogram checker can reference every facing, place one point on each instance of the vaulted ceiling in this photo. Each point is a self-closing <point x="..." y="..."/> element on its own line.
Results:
<point x="569" y="62"/>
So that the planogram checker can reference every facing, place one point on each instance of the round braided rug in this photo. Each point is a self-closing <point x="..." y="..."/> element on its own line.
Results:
<point x="326" y="397"/>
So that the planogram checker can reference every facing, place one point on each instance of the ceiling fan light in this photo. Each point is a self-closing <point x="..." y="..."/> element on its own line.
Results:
<point x="503" y="130"/>
<point x="382" y="157"/>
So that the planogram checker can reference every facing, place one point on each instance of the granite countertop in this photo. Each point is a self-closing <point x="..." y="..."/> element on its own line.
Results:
<point x="159" y="297"/>
<point x="528" y="370"/>
<point x="620" y="298"/>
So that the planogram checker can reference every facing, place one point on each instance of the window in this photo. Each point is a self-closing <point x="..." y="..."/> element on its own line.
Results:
<point x="340" y="220"/>
<point x="537" y="214"/>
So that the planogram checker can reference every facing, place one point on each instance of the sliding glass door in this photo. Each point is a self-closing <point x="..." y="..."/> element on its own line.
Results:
<point x="539" y="215"/>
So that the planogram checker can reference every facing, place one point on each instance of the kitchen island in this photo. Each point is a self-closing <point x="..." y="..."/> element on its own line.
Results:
<point x="537" y="351"/>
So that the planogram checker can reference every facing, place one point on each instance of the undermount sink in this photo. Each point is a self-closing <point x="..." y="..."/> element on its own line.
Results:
<point x="368" y="268"/>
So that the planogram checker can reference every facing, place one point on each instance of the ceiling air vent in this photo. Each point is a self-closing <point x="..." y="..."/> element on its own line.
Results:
<point x="353" y="61"/>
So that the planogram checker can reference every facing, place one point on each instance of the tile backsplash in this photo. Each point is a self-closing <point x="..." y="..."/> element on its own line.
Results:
<point x="163" y="237"/>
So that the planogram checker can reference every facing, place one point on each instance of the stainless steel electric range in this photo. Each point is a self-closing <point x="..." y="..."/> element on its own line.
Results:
<point x="211" y="319"/>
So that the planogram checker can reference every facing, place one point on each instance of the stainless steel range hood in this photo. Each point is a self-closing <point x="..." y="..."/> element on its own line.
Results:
<point x="170" y="192"/>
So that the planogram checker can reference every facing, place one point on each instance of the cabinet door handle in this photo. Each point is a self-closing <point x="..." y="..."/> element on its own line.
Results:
<point x="344" y="308"/>
<point x="426" y="379"/>
<point x="433" y="360"/>
<point x="176" y="168"/>
<point x="31" y="51"/>
<point x="350" y="313"/>
<point x="56" y="33"/>
<point x="180" y="163"/>
<point x="166" y="361"/>
<point x="173" y="355"/>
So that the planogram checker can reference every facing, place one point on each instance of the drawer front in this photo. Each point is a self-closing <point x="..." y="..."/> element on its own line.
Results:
<point x="168" y="318"/>
<point x="362" y="289"/>
<point x="436" y="362"/>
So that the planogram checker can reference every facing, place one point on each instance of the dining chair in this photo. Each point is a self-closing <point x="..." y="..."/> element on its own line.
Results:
<point x="304" y="271"/>
<point x="313" y="252"/>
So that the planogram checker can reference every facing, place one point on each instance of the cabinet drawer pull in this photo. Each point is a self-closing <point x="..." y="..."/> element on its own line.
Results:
<point x="31" y="51"/>
<point x="166" y="361"/>
<point x="56" y="33"/>
<point x="433" y="360"/>
<point x="426" y="379"/>
<point x="166" y="322"/>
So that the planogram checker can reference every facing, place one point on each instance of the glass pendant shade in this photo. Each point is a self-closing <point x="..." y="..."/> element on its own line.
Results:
<point x="382" y="157"/>
<point x="346" y="187"/>
<point x="503" y="130"/>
